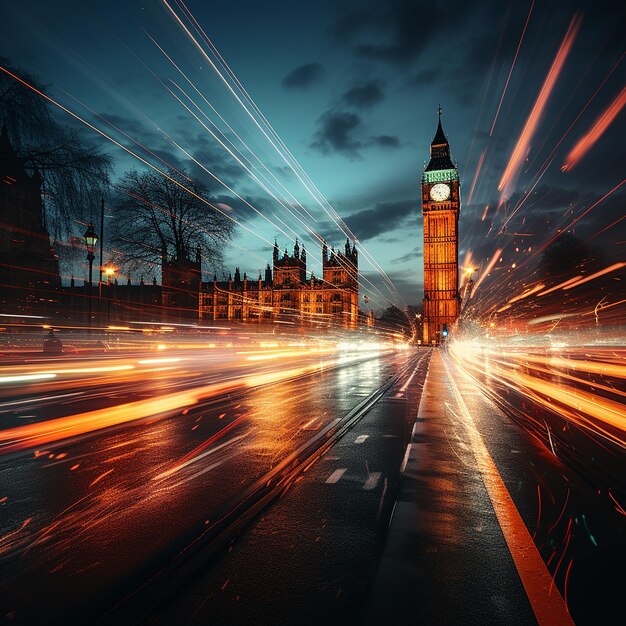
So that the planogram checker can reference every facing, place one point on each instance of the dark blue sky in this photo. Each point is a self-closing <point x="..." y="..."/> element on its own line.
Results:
<point x="352" y="89"/>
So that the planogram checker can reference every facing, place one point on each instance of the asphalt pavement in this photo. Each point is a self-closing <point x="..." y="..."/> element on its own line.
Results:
<point x="491" y="527"/>
<point x="86" y="521"/>
<point x="312" y="556"/>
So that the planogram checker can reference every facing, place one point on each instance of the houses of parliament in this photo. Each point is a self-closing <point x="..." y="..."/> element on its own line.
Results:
<point x="286" y="294"/>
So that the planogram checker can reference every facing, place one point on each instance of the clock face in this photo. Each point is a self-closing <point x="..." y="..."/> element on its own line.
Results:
<point x="440" y="192"/>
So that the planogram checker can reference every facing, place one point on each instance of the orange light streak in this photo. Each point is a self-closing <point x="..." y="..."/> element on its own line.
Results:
<point x="560" y="285"/>
<point x="607" y="270"/>
<point x="490" y="265"/>
<point x="587" y="141"/>
<point x="40" y="434"/>
<point x="523" y="371"/>
<point x="523" y="143"/>
<point x="528" y="292"/>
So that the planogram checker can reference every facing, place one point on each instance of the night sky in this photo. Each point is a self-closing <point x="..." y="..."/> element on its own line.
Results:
<point x="352" y="89"/>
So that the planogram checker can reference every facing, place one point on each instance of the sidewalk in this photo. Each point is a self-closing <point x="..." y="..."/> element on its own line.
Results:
<point x="446" y="559"/>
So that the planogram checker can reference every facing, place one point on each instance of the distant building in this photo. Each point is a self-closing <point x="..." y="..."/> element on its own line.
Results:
<point x="29" y="269"/>
<point x="285" y="293"/>
<point x="181" y="277"/>
<point x="440" y="208"/>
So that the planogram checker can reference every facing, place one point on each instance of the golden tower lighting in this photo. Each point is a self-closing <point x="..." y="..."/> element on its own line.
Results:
<point x="440" y="209"/>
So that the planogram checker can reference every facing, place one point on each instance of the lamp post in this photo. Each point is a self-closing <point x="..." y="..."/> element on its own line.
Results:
<point x="91" y="239"/>
<point x="101" y="253"/>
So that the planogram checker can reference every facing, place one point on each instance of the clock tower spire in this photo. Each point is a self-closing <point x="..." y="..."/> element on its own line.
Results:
<point x="440" y="209"/>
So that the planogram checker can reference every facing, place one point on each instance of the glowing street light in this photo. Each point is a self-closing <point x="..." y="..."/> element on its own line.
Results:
<point x="109" y="271"/>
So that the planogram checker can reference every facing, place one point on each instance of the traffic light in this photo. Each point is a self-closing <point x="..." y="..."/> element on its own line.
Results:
<point x="444" y="330"/>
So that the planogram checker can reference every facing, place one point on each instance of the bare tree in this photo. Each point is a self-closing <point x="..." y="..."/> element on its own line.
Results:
<point x="173" y="213"/>
<point x="75" y="174"/>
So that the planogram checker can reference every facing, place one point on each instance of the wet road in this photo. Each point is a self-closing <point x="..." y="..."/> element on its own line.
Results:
<point x="257" y="486"/>
<point x="312" y="557"/>
<point x="114" y="466"/>
<point x="572" y="397"/>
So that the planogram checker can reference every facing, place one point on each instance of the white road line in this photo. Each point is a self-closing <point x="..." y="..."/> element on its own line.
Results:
<point x="372" y="481"/>
<point x="411" y="377"/>
<point x="361" y="439"/>
<point x="406" y="459"/>
<point x="336" y="475"/>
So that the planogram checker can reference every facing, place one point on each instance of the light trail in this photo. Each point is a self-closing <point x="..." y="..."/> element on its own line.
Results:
<point x="494" y="259"/>
<point x="275" y="141"/>
<point x="138" y="157"/>
<point x="523" y="143"/>
<point x="607" y="270"/>
<point x="292" y="235"/>
<point x="476" y="174"/>
<point x="593" y="206"/>
<point x="548" y="382"/>
<point x="550" y="158"/>
<point x="508" y="78"/>
<point x="24" y="378"/>
<point x="587" y="141"/>
<point x="232" y="130"/>
<point x="287" y="364"/>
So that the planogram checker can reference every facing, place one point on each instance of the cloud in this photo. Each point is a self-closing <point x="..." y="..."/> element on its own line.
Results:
<point x="425" y="77"/>
<point x="384" y="141"/>
<point x="405" y="40"/>
<point x="346" y="27"/>
<point x="364" y="96"/>
<point x="336" y="134"/>
<point x="382" y="218"/>
<point x="415" y="253"/>
<point x="304" y="76"/>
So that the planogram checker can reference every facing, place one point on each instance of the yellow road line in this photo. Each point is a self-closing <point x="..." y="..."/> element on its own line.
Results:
<point x="547" y="603"/>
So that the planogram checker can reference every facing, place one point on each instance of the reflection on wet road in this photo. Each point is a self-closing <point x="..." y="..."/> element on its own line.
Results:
<point x="110" y="466"/>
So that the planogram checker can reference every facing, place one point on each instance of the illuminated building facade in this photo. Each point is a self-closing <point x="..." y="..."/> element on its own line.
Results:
<point x="286" y="294"/>
<point x="440" y="208"/>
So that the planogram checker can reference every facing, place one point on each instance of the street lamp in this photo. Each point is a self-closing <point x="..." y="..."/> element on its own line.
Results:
<point x="91" y="239"/>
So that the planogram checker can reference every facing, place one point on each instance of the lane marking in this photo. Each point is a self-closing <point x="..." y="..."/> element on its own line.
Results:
<point x="404" y="387"/>
<point x="361" y="439"/>
<point x="406" y="459"/>
<point x="336" y="475"/>
<point x="546" y="601"/>
<point x="372" y="481"/>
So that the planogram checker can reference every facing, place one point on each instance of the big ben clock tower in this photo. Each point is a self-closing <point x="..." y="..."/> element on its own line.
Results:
<point x="440" y="208"/>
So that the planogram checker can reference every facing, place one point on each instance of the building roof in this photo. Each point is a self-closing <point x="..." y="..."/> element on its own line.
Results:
<point x="440" y="137"/>
<point x="439" y="151"/>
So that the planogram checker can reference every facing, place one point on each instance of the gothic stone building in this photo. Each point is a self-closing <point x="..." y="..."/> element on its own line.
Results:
<point x="286" y="294"/>
<point x="29" y="271"/>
